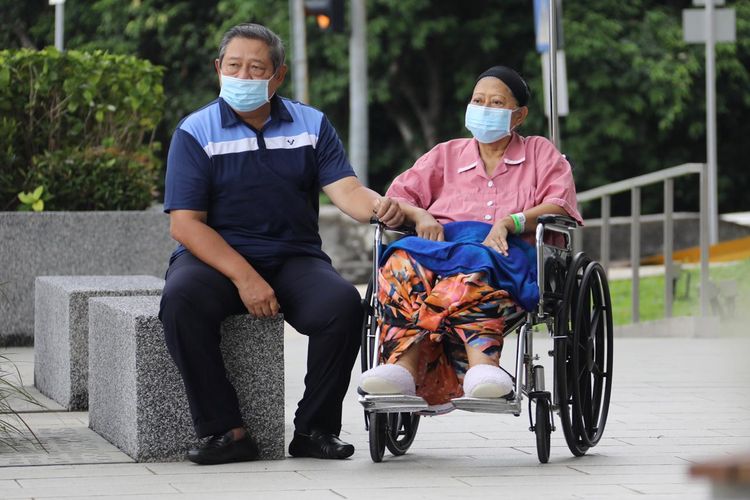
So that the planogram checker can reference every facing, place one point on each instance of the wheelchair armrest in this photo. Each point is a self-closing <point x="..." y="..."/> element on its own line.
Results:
<point x="560" y="220"/>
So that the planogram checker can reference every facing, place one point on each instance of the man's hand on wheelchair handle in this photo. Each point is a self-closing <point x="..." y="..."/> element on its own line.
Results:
<point x="388" y="212"/>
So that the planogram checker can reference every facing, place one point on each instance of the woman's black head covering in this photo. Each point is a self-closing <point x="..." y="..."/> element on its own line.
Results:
<point x="513" y="80"/>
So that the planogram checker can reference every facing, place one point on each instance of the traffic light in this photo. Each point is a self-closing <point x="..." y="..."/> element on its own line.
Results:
<point x="329" y="14"/>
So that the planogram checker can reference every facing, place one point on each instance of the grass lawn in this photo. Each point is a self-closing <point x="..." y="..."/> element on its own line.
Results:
<point x="685" y="304"/>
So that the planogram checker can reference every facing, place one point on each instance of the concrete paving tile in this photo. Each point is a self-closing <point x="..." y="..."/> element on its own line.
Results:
<point x="530" y="491"/>
<point x="623" y="433"/>
<point x="281" y="495"/>
<point x="620" y="469"/>
<point x="669" y="488"/>
<point x="540" y="470"/>
<point x="266" y="481"/>
<point x="392" y="477"/>
<point x="571" y="481"/>
<point x="556" y="459"/>
<point x="64" y="471"/>
<point x="82" y="489"/>
<point x="63" y="445"/>
<point x="9" y="484"/>
<point x="687" y="441"/>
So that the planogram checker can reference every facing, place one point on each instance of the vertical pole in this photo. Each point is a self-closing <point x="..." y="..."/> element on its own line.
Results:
<point x="299" y="50"/>
<point x="553" y="121"/>
<point x="668" y="247"/>
<point x="711" y="158"/>
<point x="704" y="239"/>
<point x="635" y="251"/>
<point x="604" y="234"/>
<point x="59" y="25"/>
<point x="358" y="119"/>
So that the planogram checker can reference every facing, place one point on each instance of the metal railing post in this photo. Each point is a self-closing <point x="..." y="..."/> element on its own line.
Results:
<point x="635" y="251"/>
<point x="668" y="247"/>
<point x="704" y="239"/>
<point x="604" y="233"/>
<point x="634" y="185"/>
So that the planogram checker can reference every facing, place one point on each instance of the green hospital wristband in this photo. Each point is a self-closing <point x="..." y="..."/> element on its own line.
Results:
<point x="517" y="227"/>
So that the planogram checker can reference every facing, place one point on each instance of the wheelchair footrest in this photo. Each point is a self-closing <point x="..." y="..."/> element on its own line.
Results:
<point x="396" y="403"/>
<point x="487" y="405"/>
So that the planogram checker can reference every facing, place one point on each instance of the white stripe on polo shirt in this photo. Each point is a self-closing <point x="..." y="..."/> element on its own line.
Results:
<point x="291" y="142"/>
<point x="227" y="147"/>
<point x="251" y="144"/>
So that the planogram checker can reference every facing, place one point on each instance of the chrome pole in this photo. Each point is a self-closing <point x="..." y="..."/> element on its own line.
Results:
<point x="554" y="134"/>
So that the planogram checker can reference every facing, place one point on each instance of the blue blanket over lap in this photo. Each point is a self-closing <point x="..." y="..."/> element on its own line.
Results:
<point x="463" y="252"/>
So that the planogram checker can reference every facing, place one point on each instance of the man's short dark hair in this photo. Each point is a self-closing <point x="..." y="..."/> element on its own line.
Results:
<point x="255" y="32"/>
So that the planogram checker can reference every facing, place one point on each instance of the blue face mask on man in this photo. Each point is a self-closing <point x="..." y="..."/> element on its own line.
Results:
<point x="244" y="95"/>
<point x="488" y="125"/>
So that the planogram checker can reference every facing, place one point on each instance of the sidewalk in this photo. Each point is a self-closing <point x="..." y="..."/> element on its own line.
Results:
<point x="675" y="401"/>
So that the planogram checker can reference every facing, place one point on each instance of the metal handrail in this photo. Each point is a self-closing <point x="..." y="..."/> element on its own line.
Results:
<point x="634" y="185"/>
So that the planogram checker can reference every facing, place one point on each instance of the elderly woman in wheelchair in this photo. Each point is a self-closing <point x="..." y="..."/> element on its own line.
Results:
<point x="448" y="296"/>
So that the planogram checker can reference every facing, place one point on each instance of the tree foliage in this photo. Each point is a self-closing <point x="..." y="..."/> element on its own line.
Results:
<point x="637" y="91"/>
<point x="80" y="124"/>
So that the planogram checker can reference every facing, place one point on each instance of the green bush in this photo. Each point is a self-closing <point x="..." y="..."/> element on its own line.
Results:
<point x="80" y="124"/>
<point x="95" y="178"/>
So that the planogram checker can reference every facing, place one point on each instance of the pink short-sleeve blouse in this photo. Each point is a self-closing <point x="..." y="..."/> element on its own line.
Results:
<point x="450" y="181"/>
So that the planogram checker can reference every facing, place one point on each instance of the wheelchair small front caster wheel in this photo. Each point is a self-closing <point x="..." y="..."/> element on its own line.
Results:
<point x="402" y="429"/>
<point x="377" y="436"/>
<point x="542" y="429"/>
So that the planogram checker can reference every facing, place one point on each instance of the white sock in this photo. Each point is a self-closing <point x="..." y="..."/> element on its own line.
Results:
<point x="387" y="379"/>
<point x="487" y="381"/>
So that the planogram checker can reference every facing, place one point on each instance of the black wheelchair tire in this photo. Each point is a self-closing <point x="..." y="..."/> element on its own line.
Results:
<point x="584" y="354"/>
<point x="592" y="360"/>
<point x="401" y="431"/>
<point x="377" y="436"/>
<point x="564" y="317"/>
<point x="543" y="430"/>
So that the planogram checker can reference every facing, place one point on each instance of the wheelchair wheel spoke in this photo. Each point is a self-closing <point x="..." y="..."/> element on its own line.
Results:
<point x="596" y="321"/>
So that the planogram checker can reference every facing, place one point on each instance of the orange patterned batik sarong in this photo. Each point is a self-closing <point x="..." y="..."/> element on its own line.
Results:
<point x="443" y="315"/>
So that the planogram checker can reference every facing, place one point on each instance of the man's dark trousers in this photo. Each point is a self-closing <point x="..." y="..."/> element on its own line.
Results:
<point x="314" y="299"/>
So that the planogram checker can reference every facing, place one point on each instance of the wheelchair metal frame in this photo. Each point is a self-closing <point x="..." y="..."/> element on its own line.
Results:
<point x="529" y="378"/>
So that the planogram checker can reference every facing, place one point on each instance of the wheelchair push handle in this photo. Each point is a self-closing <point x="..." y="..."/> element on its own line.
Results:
<point x="560" y="220"/>
<point x="407" y="230"/>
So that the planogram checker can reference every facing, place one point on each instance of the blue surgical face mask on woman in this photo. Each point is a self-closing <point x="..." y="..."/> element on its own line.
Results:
<point x="244" y="95"/>
<point x="488" y="125"/>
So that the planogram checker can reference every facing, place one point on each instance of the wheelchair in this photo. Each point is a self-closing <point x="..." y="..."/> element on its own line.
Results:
<point x="575" y="307"/>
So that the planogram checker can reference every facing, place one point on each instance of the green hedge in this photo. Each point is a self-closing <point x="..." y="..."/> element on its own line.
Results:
<point x="81" y="124"/>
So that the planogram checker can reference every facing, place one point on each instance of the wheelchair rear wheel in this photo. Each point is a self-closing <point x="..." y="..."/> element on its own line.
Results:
<point x="583" y="354"/>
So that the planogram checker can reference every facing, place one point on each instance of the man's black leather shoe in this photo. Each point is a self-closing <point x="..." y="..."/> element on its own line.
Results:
<point x="223" y="449"/>
<point x="319" y="445"/>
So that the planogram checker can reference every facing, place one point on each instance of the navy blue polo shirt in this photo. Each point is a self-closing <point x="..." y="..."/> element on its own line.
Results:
<point x="259" y="187"/>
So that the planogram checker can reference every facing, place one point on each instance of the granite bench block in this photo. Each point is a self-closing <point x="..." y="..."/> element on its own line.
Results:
<point x="61" y="326"/>
<point x="136" y="396"/>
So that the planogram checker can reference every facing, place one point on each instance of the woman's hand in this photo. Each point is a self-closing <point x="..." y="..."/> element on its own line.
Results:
<point x="258" y="296"/>
<point x="427" y="227"/>
<point x="388" y="212"/>
<point x="497" y="238"/>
